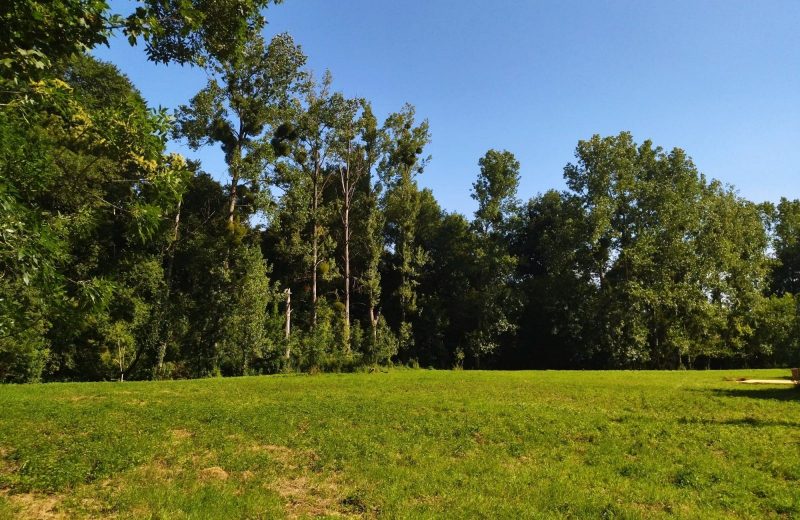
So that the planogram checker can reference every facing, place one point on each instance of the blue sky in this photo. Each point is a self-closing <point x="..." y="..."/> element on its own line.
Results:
<point x="720" y="79"/>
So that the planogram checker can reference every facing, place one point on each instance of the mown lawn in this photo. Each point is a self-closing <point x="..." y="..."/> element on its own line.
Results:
<point x="409" y="444"/>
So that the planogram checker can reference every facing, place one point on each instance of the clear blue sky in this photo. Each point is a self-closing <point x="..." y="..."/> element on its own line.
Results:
<point x="720" y="79"/>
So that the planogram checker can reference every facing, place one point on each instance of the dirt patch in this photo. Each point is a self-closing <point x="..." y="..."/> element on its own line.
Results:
<point x="35" y="506"/>
<point x="6" y="465"/>
<point x="181" y="434"/>
<point x="213" y="473"/>
<point x="651" y="508"/>
<point x="306" y="491"/>
<point x="306" y="497"/>
<point x="288" y="458"/>
<point x="515" y="463"/>
<point x="283" y="454"/>
<point x="203" y="458"/>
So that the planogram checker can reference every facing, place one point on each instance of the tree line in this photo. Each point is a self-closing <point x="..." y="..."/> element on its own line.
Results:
<point x="320" y="251"/>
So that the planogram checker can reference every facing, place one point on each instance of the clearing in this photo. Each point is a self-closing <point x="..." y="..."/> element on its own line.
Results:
<point x="407" y="443"/>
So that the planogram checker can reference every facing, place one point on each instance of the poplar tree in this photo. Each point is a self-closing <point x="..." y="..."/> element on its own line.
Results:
<point x="495" y="191"/>
<point x="307" y="140"/>
<point x="402" y="161"/>
<point x="355" y="156"/>
<point x="247" y="93"/>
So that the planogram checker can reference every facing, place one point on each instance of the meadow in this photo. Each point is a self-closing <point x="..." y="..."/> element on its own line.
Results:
<point x="405" y="444"/>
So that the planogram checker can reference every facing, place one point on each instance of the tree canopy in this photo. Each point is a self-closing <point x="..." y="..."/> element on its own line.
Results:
<point x="321" y="251"/>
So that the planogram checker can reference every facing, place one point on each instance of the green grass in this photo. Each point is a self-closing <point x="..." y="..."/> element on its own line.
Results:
<point x="408" y="444"/>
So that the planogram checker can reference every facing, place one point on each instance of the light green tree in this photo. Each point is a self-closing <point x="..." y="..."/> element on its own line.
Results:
<point x="401" y="162"/>
<point x="246" y="95"/>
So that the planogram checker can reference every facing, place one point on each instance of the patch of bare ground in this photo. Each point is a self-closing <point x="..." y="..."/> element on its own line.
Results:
<point x="7" y="466"/>
<point x="179" y="434"/>
<point x="213" y="473"/>
<point x="307" y="491"/>
<point x="305" y="497"/>
<point x="35" y="506"/>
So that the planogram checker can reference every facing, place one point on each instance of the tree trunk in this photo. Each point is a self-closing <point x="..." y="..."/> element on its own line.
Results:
<point x="232" y="200"/>
<point x="233" y="169"/>
<point x="121" y="363"/>
<point x="347" y="270"/>
<point x="373" y="320"/>
<point x="162" y="348"/>
<point x="314" y="247"/>
<point x="346" y="196"/>
<point x="288" y="330"/>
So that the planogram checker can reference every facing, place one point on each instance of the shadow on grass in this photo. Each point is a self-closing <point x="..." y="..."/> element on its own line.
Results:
<point x="741" y="421"/>
<point x="789" y="393"/>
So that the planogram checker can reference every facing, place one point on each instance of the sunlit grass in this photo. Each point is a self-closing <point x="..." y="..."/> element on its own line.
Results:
<point x="405" y="444"/>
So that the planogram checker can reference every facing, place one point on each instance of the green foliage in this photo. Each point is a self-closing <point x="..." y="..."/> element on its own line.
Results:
<point x="92" y="132"/>
<point x="558" y="295"/>
<point x="320" y="348"/>
<point x="243" y="342"/>
<point x="121" y="260"/>
<point x="194" y="31"/>
<point x="775" y="335"/>
<point x="37" y="35"/>
<point x="675" y="259"/>
<point x="496" y="189"/>
<point x="380" y="346"/>
<point x="402" y="202"/>
<point x="246" y="93"/>
<point x="786" y="242"/>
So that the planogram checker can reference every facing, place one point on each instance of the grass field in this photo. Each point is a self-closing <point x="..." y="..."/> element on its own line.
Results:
<point x="409" y="444"/>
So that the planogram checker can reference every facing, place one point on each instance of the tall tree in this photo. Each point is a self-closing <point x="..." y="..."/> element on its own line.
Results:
<point x="786" y="244"/>
<point x="402" y="161"/>
<point x="558" y="296"/>
<point x="246" y="94"/>
<point x="666" y="252"/>
<point x="96" y="135"/>
<point x="308" y="140"/>
<point x="495" y="190"/>
<point x="355" y="156"/>
<point x="373" y="249"/>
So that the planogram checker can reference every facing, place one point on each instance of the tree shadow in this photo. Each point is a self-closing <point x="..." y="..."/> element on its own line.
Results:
<point x="789" y="393"/>
<point x="740" y="421"/>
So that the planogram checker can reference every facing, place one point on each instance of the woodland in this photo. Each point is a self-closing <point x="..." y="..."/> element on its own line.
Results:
<point x="319" y="250"/>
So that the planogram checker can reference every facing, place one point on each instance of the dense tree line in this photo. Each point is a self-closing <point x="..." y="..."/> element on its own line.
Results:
<point x="320" y="251"/>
